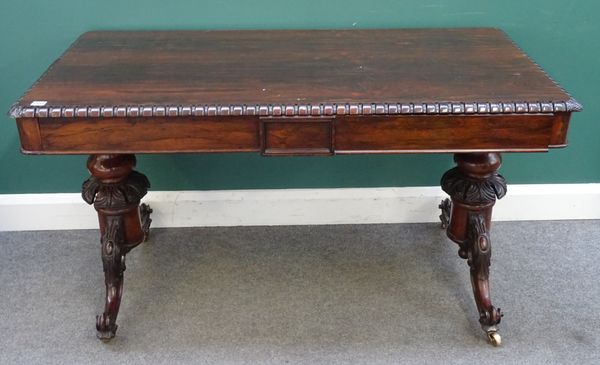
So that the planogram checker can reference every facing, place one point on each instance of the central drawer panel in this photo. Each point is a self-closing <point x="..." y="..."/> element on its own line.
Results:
<point x="296" y="136"/>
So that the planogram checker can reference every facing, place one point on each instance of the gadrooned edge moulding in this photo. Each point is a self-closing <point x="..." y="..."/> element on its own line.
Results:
<point x="570" y="105"/>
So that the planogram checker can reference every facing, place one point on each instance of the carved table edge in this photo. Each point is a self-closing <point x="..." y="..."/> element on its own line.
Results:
<point x="327" y="109"/>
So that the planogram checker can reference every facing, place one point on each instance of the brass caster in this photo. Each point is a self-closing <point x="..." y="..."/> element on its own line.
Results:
<point x="494" y="338"/>
<point x="105" y="336"/>
<point x="105" y="330"/>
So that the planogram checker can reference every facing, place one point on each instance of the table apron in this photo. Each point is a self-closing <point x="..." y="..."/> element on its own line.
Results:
<point x="295" y="135"/>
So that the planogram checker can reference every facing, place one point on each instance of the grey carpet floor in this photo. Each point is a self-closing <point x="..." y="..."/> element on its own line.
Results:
<point x="367" y="294"/>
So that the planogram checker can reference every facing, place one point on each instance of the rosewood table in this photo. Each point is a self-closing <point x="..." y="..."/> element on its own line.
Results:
<point x="470" y="92"/>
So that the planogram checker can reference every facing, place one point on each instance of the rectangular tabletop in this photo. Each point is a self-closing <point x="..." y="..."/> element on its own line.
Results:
<point x="295" y="92"/>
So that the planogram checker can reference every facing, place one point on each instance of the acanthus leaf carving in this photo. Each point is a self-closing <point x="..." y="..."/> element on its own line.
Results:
<point x="478" y="252"/>
<point x="113" y="262"/>
<point x="473" y="191"/>
<point x="89" y="189"/>
<point x="115" y="195"/>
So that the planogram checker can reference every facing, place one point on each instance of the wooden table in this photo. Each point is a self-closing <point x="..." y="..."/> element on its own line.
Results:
<point x="471" y="92"/>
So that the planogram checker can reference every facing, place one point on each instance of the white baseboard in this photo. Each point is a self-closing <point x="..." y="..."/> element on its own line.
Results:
<point x="299" y="206"/>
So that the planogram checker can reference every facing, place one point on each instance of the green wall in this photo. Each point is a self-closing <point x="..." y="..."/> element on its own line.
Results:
<point x="562" y="36"/>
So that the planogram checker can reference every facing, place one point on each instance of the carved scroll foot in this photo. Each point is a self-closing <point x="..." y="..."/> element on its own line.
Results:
<point x="478" y="248"/>
<point x="116" y="190"/>
<point x="474" y="185"/>
<point x="145" y="212"/>
<point x="113" y="262"/>
<point x="445" y="206"/>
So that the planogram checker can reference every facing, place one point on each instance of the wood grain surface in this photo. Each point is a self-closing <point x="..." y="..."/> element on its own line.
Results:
<point x="295" y="135"/>
<point x="230" y="68"/>
<point x="294" y="92"/>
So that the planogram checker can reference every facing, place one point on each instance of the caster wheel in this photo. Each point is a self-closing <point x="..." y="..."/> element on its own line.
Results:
<point x="494" y="338"/>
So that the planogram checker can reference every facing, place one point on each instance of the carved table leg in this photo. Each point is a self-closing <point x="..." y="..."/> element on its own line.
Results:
<point x="445" y="206"/>
<point x="116" y="189"/>
<point x="145" y="212"/>
<point x="473" y="187"/>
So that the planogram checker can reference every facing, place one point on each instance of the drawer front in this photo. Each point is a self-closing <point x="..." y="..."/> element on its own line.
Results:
<point x="148" y="135"/>
<point x="296" y="136"/>
<point x="447" y="133"/>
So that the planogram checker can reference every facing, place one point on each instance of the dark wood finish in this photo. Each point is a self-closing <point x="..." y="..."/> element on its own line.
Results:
<point x="105" y="74"/>
<point x="444" y="133"/>
<point x="116" y="190"/>
<point x="295" y="135"/>
<point x="474" y="185"/>
<point x="468" y="91"/>
<point x="135" y="135"/>
<point x="29" y="134"/>
<point x="559" y="131"/>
